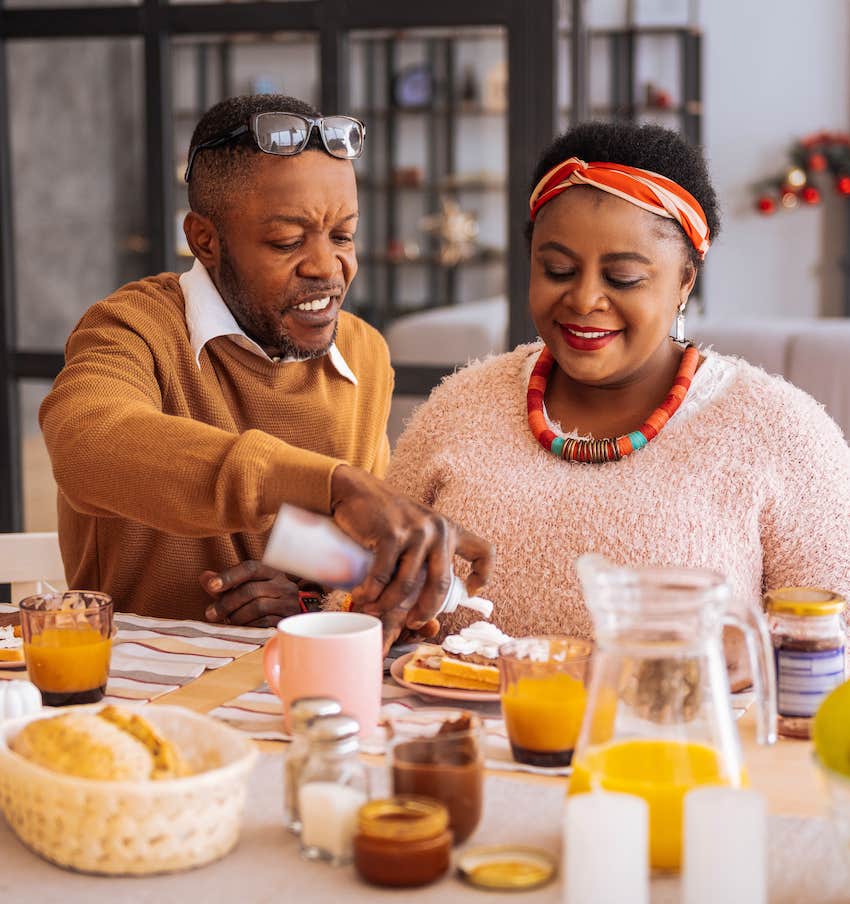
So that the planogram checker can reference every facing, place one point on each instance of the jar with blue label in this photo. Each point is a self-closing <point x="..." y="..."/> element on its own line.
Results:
<point x="808" y="632"/>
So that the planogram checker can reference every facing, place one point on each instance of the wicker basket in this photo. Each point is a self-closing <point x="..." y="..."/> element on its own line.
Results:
<point x="133" y="828"/>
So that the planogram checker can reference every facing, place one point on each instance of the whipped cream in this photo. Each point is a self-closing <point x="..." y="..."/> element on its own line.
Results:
<point x="8" y="641"/>
<point x="480" y="638"/>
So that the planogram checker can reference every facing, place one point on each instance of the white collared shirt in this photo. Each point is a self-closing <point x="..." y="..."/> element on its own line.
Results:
<point x="208" y="317"/>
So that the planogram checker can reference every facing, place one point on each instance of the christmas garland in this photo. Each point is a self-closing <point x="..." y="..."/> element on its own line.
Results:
<point x="814" y="158"/>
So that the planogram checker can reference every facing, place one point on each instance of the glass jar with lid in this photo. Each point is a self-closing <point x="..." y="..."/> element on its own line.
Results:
<point x="402" y="841"/>
<point x="808" y="633"/>
<point x="334" y="785"/>
<point x="302" y="714"/>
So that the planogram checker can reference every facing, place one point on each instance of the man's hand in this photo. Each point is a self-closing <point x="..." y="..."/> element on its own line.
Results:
<point x="250" y="593"/>
<point x="409" y="540"/>
<point x="395" y="631"/>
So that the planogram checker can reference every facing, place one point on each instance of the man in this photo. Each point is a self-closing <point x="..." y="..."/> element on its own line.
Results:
<point x="190" y="408"/>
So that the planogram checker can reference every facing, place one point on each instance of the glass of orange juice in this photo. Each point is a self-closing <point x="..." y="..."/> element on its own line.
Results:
<point x="67" y="644"/>
<point x="543" y="690"/>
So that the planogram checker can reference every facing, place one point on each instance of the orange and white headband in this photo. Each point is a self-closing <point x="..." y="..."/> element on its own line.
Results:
<point x="646" y="189"/>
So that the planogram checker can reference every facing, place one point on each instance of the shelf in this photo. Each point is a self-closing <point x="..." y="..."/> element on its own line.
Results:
<point x="480" y="258"/>
<point x="366" y="113"/>
<point x="463" y="33"/>
<point x="690" y="108"/>
<point x="481" y="185"/>
<point x="651" y="31"/>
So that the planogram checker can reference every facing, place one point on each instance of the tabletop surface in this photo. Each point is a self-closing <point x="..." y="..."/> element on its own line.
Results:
<point x="784" y="772"/>
<point x="266" y="865"/>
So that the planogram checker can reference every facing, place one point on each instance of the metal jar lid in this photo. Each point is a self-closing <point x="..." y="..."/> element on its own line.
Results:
<point x="507" y="867"/>
<point x="305" y="710"/>
<point x="813" y="601"/>
<point x="403" y="818"/>
<point x="333" y="729"/>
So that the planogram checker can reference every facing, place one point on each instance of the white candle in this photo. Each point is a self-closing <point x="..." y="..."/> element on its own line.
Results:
<point x="329" y="819"/>
<point x="725" y="847"/>
<point x="606" y="849"/>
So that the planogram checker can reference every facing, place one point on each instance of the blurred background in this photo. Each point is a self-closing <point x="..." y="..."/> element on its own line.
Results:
<point x="98" y="103"/>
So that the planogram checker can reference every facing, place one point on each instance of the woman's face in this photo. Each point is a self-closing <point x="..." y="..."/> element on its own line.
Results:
<point x="606" y="280"/>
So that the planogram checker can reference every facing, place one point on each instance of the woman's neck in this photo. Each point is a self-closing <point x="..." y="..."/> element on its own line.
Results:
<point x="617" y="408"/>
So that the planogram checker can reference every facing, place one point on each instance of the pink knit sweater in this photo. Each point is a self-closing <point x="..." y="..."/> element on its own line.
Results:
<point x="750" y="477"/>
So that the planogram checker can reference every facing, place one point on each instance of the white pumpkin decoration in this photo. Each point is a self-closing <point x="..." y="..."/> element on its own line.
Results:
<point x="18" y="698"/>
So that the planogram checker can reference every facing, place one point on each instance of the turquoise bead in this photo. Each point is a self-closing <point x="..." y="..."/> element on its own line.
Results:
<point x="638" y="440"/>
<point x="558" y="446"/>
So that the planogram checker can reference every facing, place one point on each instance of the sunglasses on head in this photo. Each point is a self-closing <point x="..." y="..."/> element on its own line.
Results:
<point x="287" y="134"/>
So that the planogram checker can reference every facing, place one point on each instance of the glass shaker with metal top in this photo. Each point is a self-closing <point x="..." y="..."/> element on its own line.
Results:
<point x="303" y="713"/>
<point x="334" y="785"/>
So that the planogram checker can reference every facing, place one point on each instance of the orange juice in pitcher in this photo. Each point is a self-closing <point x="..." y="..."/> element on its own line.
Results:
<point x="659" y="720"/>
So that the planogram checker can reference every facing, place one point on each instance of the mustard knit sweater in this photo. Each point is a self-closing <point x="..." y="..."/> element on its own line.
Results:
<point x="166" y="469"/>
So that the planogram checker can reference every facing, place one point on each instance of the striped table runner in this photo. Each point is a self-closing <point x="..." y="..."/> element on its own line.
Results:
<point x="258" y="713"/>
<point x="152" y="656"/>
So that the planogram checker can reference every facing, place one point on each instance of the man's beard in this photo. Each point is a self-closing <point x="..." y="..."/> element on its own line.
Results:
<point x="270" y="335"/>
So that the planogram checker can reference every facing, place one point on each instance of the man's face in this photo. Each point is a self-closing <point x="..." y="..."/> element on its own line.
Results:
<point x="287" y="251"/>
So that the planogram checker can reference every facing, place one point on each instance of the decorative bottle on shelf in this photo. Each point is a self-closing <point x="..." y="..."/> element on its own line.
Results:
<point x="334" y="785"/>
<point x="302" y="715"/>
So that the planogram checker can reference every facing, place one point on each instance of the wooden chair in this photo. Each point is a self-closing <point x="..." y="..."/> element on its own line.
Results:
<point x="27" y="559"/>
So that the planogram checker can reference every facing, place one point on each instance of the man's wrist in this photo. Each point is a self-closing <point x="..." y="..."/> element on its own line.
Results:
<point x="342" y="481"/>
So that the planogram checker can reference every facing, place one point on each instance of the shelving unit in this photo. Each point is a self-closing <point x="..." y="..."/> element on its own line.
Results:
<point x="216" y="35"/>
<point x="398" y="189"/>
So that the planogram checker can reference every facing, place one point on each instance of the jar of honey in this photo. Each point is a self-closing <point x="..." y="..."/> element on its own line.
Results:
<point x="402" y="841"/>
<point x="808" y="632"/>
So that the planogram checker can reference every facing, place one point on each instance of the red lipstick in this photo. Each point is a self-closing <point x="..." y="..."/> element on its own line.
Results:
<point x="587" y="338"/>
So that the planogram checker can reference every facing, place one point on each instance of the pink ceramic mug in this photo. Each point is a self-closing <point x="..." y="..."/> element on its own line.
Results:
<point x="328" y="654"/>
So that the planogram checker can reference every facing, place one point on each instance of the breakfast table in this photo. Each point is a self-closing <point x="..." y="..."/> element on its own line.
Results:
<point x="806" y="862"/>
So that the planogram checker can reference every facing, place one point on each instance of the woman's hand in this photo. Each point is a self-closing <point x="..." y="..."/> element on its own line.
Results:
<point x="409" y="540"/>
<point x="250" y="594"/>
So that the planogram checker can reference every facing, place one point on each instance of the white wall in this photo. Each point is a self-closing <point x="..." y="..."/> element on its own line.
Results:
<point x="773" y="70"/>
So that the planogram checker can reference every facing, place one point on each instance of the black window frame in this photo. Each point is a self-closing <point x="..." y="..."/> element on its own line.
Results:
<point x="531" y="29"/>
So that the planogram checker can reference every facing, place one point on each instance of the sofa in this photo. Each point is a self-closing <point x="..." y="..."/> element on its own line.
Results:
<point x="813" y="354"/>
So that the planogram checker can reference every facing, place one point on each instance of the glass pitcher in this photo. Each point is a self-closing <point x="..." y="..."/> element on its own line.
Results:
<point x="659" y="719"/>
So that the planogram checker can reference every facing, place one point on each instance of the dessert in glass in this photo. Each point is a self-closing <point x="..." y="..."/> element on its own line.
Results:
<point x="543" y="689"/>
<point x="67" y="645"/>
<point x="439" y="753"/>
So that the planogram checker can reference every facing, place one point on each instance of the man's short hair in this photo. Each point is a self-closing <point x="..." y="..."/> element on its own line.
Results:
<point x="220" y="171"/>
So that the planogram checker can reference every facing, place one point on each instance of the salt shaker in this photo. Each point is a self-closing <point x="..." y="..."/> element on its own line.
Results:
<point x="302" y="714"/>
<point x="334" y="785"/>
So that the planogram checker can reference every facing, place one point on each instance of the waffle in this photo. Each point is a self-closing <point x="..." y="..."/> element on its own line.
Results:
<point x="11" y="645"/>
<point x="430" y="665"/>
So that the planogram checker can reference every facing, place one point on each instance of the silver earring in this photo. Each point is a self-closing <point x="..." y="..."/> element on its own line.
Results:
<point x="680" y="324"/>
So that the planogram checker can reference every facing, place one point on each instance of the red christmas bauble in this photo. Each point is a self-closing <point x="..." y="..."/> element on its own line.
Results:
<point x="766" y="205"/>
<point x="842" y="185"/>
<point x="817" y="163"/>
<point x="810" y="195"/>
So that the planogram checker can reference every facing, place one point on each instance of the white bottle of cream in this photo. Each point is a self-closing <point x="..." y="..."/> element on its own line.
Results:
<point x="312" y="547"/>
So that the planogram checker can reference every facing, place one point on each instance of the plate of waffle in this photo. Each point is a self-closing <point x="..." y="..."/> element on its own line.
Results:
<point x="465" y="667"/>
<point x="11" y="644"/>
<point x="408" y="665"/>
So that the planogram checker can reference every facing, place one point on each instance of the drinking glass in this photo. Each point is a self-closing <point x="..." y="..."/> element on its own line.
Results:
<point x="67" y="645"/>
<point x="543" y="689"/>
<point x="439" y="753"/>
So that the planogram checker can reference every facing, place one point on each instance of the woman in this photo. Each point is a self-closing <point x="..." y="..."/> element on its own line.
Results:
<point x="609" y="436"/>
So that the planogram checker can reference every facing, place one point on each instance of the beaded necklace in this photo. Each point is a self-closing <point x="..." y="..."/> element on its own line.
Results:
<point x="599" y="451"/>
